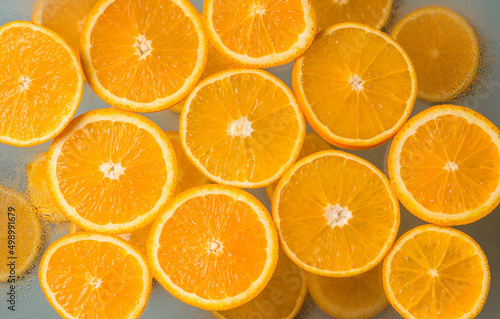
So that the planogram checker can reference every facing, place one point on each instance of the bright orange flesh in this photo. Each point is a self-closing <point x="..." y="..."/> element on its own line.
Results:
<point x="436" y="272"/>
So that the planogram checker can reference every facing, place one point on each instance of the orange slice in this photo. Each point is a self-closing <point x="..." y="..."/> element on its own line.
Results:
<point x="336" y="214"/>
<point x="260" y="33"/>
<point x="355" y="85"/>
<point x="283" y="296"/>
<point x="215" y="247"/>
<point x="41" y="84"/>
<point x="65" y="17"/>
<point x="312" y="143"/>
<point x="357" y="297"/>
<point x="444" y="48"/>
<point x="242" y="128"/>
<point x="445" y="165"/>
<point x="19" y="236"/>
<point x="143" y="56"/>
<point x="89" y="275"/>
<point x="436" y="272"/>
<point x="38" y="191"/>
<point x="374" y="13"/>
<point x="111" y="171"/>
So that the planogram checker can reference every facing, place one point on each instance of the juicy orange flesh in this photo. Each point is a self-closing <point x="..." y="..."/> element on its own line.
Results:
<point x="92" y="279"/>
<point x="428" y="160"/>
<point x="242" y="158"/>
<point x="280" y="297"/>
<point x="369" y="12"/>
<point x="38" y="81"/>
<point x="304" y="225"/>
<point x="130" y="67"/>
<point x="213" y="246"/>
<point x="101" y="199"/>
<point x="353" y="76"/>
<point x="443" y="52"/>
<point x="458" y="284"/>
<point x="258" y="28"/>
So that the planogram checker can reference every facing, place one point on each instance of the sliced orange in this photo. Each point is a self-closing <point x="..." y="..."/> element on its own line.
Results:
<point x="444" y="49"/>
<point x="215" y="247"/>
<point x="374" y="13"/>
<point x="357" y="297"/>
<point x="19" y="235"/>
<point x="312" y="143"/>
<point x="336" y="214"/>
<point x="41" y="84"/>
<point x="38" y="190"/>
<point x="260" y="33"/>
<point x="282" y="298"/>
<point x="145" y="55"/>
<point x="65" y="17"/>
<point x="445" y="165"/>
<point x="111" y="171"/>
<point x="356" y="86"/>
<point x="242" y="127"/>
<point x="89" y="275"/>
<point x="436" y="272"/>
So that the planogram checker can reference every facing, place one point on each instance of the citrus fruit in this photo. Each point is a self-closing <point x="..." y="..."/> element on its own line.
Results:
<point x="283" y="296"/>
<point x="214" y="247"/>
<point x="336" y="214"/>
<point x="260" y="33"/>
<point x="436" y="272"/>
<point x="41" y="84"/>
<point x="143" y="55"/>
<point x="38" y="191"/>
<point x="19" y="235"/>
<point x="65" y="17"/>
<point x="111" y="171"/>
<point x="370" y="12"/>
<point x="444" y="49"/>
<point x="355" y="85"/>
<point x="242" y="128"/>
<point x="90" y="275"/>
<point x="357" y="297"/>
<point x="312" y="143"/>
<point x="444" y="165"/>
<point x="215" y="63"/>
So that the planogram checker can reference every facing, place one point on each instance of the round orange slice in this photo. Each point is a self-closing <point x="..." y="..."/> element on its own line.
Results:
<point x="145" y="55"/>
<point x="445" y="165"/>
<point x="356" y="86"/>
<point x="357" y="297"/>
<point x="41" y="84"/>
<point x="436" y="272"/>
<point x="111" y="171"/>
<point x="215" y="247"/>
<point x="242" y="127"/>
<point x="444" y="49"/>
<point x="89" y="275"/>
<point x="260" y="33"/>
<point x="336" y="214"/>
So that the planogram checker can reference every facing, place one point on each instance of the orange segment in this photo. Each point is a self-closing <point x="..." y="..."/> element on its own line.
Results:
<point x="336" y="214"/>
<point x="111" y="171"/>
<point x="145" y="55"/>
<point x="260" y="33"/>
<point x="444" y="48"/>
<point x="436" y="272"/>
<point x="242" y="127"/>
<point x="444" y="165"/>
<point x="374" y="13"/>
<point x="215" y="247"/>
<point x="356" y="297"/>
<point x="355" y="85"/>
<point x="88" y="275"/>
<point x="41" y="84"/>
